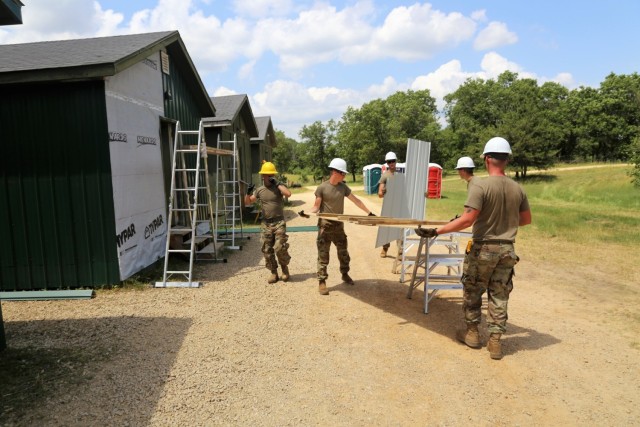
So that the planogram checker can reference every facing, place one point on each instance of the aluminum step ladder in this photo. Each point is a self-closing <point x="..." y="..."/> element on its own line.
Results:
<point x="189" y="200"/>
<point x="228" y="218"/>
<point x="428" y="261"/>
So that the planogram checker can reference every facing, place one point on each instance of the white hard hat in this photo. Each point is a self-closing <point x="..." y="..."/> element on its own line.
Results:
<point x="465" y="163"/>
<point x="338" y="164"/>
<point x="497" y="145"/>
<point x="390" y="156"/>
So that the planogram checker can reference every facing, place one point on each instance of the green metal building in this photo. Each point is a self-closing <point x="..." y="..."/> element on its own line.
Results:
<point x="86" y="130"/>
<point x="262" y="146"/>
<point x="234" y="116"/>
<point x="10" y="12"/>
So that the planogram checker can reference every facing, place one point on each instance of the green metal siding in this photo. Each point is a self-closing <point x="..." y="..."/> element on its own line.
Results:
<point x="3" y="340"/>
<point x="182" y="105"/>
<point x="56" y="199"/>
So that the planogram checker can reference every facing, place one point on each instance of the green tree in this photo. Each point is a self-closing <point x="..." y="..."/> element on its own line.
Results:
<point x="472" y="112"/>
<point x="379" y="126"/>
<point x="605" y="121"/>
<point x="318" y="140"/>
<point x="530" y="117"/>
<point x="634" y="157"/>
<point x="284" y="153"/>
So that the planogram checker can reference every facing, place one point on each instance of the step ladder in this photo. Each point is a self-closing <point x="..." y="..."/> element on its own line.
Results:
<point x="429" y="265"/>
<point x="403" y="261"/>
<point x="228" y="218"/>
<point x="190" y="232"/>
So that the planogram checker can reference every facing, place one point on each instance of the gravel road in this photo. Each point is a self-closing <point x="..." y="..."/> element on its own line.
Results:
<point x="239" y="351"/>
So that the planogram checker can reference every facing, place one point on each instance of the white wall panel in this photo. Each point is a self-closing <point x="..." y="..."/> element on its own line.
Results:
<point x="134" y="101"/>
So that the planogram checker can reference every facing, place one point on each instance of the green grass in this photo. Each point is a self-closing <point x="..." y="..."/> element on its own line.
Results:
<point x="586" y="205"/>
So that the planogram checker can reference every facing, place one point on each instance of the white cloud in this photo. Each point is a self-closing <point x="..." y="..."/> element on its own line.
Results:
<point x="262" y="8"/>
<point x="319" y="34"/>
<point x="246" y="70"/>
<point x="412" y="33"/>
<point x="388" y="87"/>
<point x="292" y="105"/>
<point x="565" y="79"/>
<point x="493" y="65"/>
<point x="496" y="34"/>
<point x="315" y="36"/>
<point x="444" y="80"/>
<point x="224" y="91"/>
<point x="304" y="37"/>
<point x="66" y="19"/>
<point x="479" y="15"/>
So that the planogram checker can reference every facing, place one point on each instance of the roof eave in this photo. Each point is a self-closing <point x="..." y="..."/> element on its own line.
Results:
<point x="90" y="72"/>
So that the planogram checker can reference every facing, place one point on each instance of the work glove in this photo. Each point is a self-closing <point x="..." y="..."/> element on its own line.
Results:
<point x="426" y="232"/>
<point x="454" y="218"/>
<point x="250" y="189"/>
<point x="371" y="214"/>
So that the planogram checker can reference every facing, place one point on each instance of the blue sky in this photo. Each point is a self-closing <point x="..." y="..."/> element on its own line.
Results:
<point x="302" y="61"/>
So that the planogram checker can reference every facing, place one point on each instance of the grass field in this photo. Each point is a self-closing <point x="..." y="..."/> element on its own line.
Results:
<point x="590" y="205"/>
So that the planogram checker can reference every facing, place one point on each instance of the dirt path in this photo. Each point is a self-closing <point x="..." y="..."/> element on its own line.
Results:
<point x="241" y="352"/>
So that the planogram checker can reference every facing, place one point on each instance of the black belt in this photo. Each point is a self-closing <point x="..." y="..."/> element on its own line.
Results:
<point x="272" y="220"/>
<point x="494" y="242"/>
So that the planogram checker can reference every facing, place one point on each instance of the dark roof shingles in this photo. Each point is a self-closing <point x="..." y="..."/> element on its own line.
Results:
<point x="74" y="53"/>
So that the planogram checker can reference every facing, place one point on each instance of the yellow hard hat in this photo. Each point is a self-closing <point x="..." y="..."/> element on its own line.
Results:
<point x="268" y="168"/>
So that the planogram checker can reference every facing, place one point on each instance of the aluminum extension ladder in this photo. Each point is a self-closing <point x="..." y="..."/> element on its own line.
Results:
<point x="228" y="218"/>
<point x="189" y="186"/>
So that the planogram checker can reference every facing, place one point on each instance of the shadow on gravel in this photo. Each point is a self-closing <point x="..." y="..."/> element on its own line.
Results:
<point x="77" y="372"/>
<point x="246" y="261"/>
<point x="445" y="312"/>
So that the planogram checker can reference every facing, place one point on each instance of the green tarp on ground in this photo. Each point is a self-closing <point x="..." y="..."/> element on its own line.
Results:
<point x="289" y="229"/>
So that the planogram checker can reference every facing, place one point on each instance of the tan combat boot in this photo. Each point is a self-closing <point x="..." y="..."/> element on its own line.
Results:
<point x="471" y="336"/>
<point x="322" y="288"/>
<point x="494" y="346"/>
<point x="285" y="273"/>
<point x="347" y="279"/>
<point x="274" y="277"/>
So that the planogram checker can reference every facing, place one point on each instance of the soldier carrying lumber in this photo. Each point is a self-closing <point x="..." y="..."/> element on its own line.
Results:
<point x="330" y="197"/>
<point x="496" y="206"/>
<point x="273" y="230"/>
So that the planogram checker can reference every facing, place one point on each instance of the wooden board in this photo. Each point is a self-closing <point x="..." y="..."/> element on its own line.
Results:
<point x="212" y="151"/>
<point x="380" y="220"/>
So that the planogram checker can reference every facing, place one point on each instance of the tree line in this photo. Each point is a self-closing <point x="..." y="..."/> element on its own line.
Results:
<point x="545" y="124"/>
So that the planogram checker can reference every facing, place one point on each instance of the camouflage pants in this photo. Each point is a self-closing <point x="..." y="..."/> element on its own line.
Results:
<point x="488" y="266"/>
<point x="398" y="246"/>
<point x="331" y="232"/>
<point x="274" y="238"/>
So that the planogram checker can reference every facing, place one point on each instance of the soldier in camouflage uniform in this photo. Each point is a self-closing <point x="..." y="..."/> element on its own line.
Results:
<point x="273" y="230"/>
<point x="496" y="206"/>
<point x="330" y="197"/>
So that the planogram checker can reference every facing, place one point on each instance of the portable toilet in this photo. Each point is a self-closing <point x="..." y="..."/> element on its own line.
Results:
<point x="434" y="181"/>
<point x="371" y="177"/>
